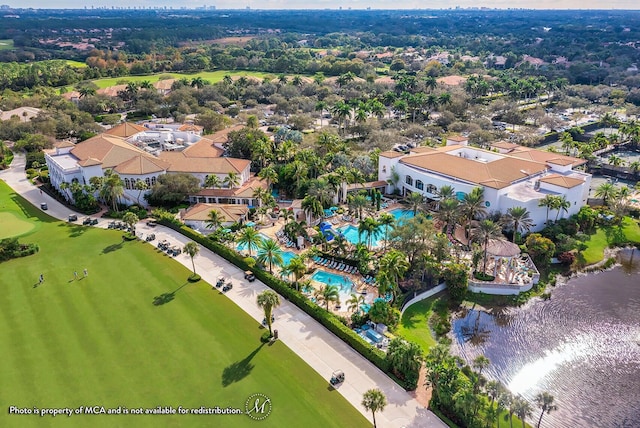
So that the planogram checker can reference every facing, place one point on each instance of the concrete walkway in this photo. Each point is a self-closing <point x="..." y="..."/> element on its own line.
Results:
<point x="321" y="349"/>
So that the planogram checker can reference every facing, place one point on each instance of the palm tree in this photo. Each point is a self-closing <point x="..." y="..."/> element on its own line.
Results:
<point x="268" y="300"/>
<point x="386" y="221"/>
<point x="354" y="302"/>
<point x="328" y="293"/>
<point x="269" y="174"/>
<point x="192" y="249"/>
<point x="547" y="202"/>
<point x="312" y="207"/>
<point x="232" y="180"/>
<point x="448" y="212"/>
<point x="606" y="191"/>
<point x="415" y="201"/>
<point x="486" y="231"/>
<point x="375" y="401"/>
<point x="212" y="181"/>
<point x="473" y="206"/>
<point x="112" y="188"/>
<point x="214" y="220"/>
<point x="480" y="363"/>
<point x="522" y="409"/>
<point x="298" y="268"/>
<point x="249" y="237"/>
<point x="140" y="186"/>
<point x="130" y="219"/>
<point x="357" y="203"/>
<point x="545" y="402"/>
<point x="269" y="252"/>
<point x="562" y="204"/>
<point x="321" y="106"/>
<point x="393" y="266"/>
<point x="446" y="192"/>
<point x="368" y="227"/>
<point x="518" y="218"/>
<point x="342" y="111"/>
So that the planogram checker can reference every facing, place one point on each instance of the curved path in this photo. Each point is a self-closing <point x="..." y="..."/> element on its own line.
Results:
<point x="321" y="349"/>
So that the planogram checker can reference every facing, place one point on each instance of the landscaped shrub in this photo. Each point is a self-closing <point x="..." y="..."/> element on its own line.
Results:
<point x="481" y="276"/>
<point x="10" y="248"/>
<point x="327" y="319"/>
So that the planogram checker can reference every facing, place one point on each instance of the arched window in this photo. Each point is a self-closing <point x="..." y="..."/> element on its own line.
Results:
<point x="419" y="185"/>
<point x="127" y="183"/>
<point x="153" y="181"/>
<point x="74" y="180"/>
<point x="384" y="168"/>
<point x="432" y="189"/>
<point x="409" y="180"/>
<point x="148" y="181"/>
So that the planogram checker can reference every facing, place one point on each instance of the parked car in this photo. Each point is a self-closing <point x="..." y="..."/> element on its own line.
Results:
<point x="73" y="217"/>
<point x="43" y="206"/>
<point x="249" y="276"/>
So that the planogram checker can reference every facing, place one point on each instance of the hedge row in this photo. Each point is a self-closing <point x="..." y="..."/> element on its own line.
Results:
<point x="327" y="319"/>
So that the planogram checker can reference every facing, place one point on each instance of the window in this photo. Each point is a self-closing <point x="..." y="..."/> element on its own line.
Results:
<point x="148" y="181"/>
<point x="74" y="180"/>
<point x="419" y="185"/>
<point x="432" y="189"/>
<point x="384" y="168"/>
<point x="153" y="181"/>
<point x="127" y="183"/>
<point x="409" y="180"/>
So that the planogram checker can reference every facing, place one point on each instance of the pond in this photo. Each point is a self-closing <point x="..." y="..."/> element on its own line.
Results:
<point x="582" y="346"/>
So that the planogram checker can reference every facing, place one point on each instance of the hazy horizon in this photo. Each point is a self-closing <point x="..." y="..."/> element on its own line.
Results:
<point x="333" y="4"/>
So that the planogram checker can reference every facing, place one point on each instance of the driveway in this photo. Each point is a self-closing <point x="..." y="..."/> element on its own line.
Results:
<point x="321" y="349"/>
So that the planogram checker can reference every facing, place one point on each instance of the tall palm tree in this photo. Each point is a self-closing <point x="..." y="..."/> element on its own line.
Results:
<point x="130" y="219"/>
<point x="321" y="106"/>
<point x="473" y="206"/>
<point x="393" y="266"/>
<point x="269" y="174"/>
<point x="312" y="207"/>
<point x="368" y="227"/>
<point x="522" y="409"/>
<point x="375" y="401"/>
<point x="354" y="302"/>
<point x="268" y="300"/>
<point x="446" y="192"/>
<point x="562" y="204"/>
<point x="486" y="231"/>
<point x="545" y="402"/>
<point x="547" y="202"/>
<point x="232" y="180"/>
<point x="298" y="268"/>
<point x="270" y="252"/>
<point x="212" y="181"/>
<point x="415" y="201"/>
<point x="214" y="220"/>
<point x="112" y="188"/>
<point x="357" y="203"/>
<point x="140" y="186"/>
<point x="386" y="221"/>
<point x="327" y="294"/>
<point x="519" y="219"/>
<point x="606" y="191"/>
<point x="480" y="363"/>
<point x="191" y="249"/>
<point x="249" y="237"/>
<point x="448" y="212"/>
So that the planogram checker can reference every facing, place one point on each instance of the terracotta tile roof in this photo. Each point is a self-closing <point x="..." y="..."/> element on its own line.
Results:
<point x="182" y="163"/>
<point x="246" y="191"/>
<point x="422" y="149"/>
<point x="546" y="157"/>
<point x="111" y="91"/>
<point x="562" y="181"/>
<point x="63" y="144"/>
<point x="89" y="162"/>
<point x="164" y="85"/>
<point x="204" y="148"/>
<point x="505" y="145"/>
<point x="71" y="95"/>
<point x="391" y="154"/>
<point x="369" y="185"/>
<point x="229" y="212"/>
<point x="191" y="127"/>
<point x="110" y="150"/>
<point x="142" y="164"/>
<point x="222" y="136"/>
<point x="126" y="130"/>
<point x="497" y="174"/>
<point x="457" y="138"/>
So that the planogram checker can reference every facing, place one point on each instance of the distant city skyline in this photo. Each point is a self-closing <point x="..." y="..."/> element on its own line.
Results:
<point x="329" y="4"/>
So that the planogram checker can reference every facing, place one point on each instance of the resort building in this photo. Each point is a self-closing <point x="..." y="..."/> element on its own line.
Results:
<point x="197" y="215"/>
<point x="125" y="150"/>
<point x="511" y="175"/>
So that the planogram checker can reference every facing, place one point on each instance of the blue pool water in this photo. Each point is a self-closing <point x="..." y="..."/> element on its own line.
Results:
<point x="400" y="215"/>
<point x="343" y="283"/>
<point x="350" y="232"/>
<point x="287" y="256"/>
<point x="243" y="247"/>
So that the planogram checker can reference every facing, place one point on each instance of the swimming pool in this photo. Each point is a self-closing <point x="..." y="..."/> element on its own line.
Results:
<point x="350" y="232"/>
<point x="401" y="215"/>
<point x="243" y="247"/>
<point x="343" y="283"/>
<point x="287" y="256"/>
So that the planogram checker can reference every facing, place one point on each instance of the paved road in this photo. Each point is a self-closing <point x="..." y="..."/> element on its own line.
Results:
<point x="321" y="349"/>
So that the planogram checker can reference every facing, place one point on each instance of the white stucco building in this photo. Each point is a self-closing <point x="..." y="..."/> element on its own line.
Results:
<point x="510" y="175"/>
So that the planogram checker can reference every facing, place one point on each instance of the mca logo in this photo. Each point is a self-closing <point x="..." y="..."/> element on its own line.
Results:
<point x="258" y="407"/>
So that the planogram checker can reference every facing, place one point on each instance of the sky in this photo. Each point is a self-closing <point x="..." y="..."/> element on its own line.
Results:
<point x="331" y="4"/>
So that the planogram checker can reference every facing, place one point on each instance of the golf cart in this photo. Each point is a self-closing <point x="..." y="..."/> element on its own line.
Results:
<point x="337" y="377"/>
<point x="220" y="282"/>
<point x="249" y="276"/>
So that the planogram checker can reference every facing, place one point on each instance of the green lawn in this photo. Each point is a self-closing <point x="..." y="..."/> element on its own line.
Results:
<point x="414" y="325"/>
<point x="609" y="236"/>
<point x="6" y="44"/>
<point x="76" y="64"/>
<point x="100" y="340"/>
<point x="211" y="76"/>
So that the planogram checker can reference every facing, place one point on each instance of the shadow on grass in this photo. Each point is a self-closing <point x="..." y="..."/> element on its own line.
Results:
<point x="412" y="317"/>
<point x="75" y="230"/>
<point x="113" y="247"/>
<point x="239" y="369"/>
<point x="166" y="297"/>
<point x="30" y="211"/>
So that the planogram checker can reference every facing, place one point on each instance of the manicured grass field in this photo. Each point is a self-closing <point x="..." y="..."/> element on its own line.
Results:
<point x="6" y="44"/>
<point x="627" y="232"/>
<point x="76" y="64"/>
<point x="13" y="225"/>
<point x="211" y="76"/>
<point x="100" y="340"/>
<point x="414" y="325"/>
